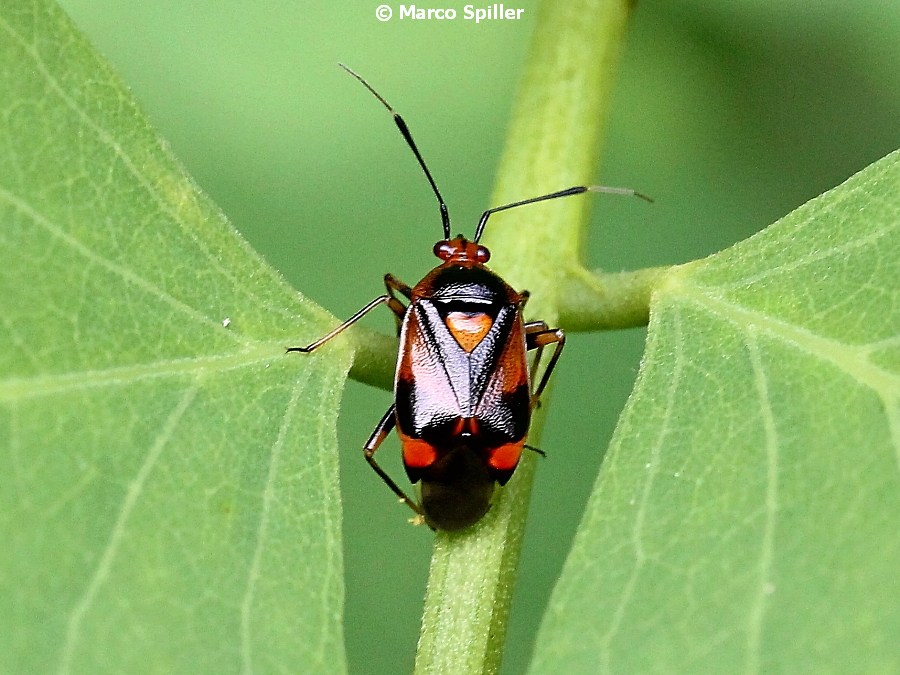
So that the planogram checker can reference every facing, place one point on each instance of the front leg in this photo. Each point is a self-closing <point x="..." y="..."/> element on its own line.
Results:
<point x="394" y="285"/>
<point x="381" y="299"/>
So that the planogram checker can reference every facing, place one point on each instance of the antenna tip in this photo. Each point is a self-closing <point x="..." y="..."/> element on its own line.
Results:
<point x="618" y="191"/>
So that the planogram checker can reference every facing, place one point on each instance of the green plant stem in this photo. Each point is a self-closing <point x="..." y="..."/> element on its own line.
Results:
<point x="605" y="301"/>
<point x="553" y="143"/>
<point x="374" y="357"/>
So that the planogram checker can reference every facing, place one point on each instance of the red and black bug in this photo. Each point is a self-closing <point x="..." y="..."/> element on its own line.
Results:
<point x="463" y="392"/>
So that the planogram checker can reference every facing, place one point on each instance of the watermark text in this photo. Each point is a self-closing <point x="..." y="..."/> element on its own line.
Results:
<point x="477" y="14"/>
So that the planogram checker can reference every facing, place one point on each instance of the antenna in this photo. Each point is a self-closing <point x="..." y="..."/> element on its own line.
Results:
<point x="568" y="192"/>
<point x="401" y="124"/>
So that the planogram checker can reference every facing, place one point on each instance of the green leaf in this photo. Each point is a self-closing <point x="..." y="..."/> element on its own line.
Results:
<point x="746" y="517"/>
<point x="169" y="497"/>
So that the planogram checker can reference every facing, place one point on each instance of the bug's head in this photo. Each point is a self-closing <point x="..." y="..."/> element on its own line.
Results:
<point x="460" y="250"/>
<point x="457" y="491"/>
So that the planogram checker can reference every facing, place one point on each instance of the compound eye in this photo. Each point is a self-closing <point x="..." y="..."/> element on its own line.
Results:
<point x="444" y="250"/>
<point x="482" y="255"/>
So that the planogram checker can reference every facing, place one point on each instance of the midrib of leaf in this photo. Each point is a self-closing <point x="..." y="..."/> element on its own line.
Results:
<point x="256" y="353"/>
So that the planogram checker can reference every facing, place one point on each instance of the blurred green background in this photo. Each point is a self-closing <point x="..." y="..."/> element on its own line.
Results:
<point x="730" y="114"/>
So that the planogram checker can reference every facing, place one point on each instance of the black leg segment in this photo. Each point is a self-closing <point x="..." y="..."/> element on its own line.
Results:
<point x="381" y="299"/>
<point x="538" y="336"/>
<point x="385" y="426"/>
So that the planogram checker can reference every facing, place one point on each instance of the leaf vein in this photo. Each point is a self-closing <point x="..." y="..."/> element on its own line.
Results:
<point x="333" y="565"/>
<point x="131" y="166"/>
<point x="127" y="275"/>
<point x="14" y="389"/>
<point x="819" y="254"/>
<point x="640" y="554"/>
<point x="849" y="358"/>
<point x="268" y="498"/>
<point x="767" y="546"/>
<point x="107" y="558"/>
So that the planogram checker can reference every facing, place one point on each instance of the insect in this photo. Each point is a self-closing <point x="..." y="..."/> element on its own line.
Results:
<point x="463" y="389"/>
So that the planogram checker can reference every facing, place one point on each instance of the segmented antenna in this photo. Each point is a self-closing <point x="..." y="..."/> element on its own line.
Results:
<point x="401" y="124"/>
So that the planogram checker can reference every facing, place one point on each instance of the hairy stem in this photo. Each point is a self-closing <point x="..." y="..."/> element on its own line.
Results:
<point x="553" y="143"/>
<point x="607" y="300"/>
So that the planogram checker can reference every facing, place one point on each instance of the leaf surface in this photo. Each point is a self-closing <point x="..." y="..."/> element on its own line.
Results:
<point x="746" y="516"/>
<point x="169" y="497"/>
